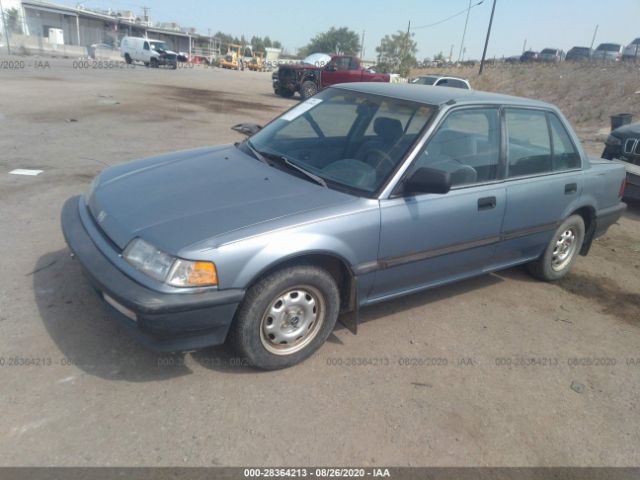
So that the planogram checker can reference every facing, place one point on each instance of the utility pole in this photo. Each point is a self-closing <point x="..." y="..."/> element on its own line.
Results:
<point x="486" y="42"/>
<point x="6" y="30"/>
<point x="593" y="40"/>
<point x="464" y="32"/>
<point x="146" y="14"/>
<point x="524" y="46"/>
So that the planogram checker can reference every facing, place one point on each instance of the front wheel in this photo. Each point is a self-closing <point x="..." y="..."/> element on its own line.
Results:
<point x="308" y="89"/>
<point x="286" y="317"/>
<point x="154" y="63"/>
<point x="557" y="259"/>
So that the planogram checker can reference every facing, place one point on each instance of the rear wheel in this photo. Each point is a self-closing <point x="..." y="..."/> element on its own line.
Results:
<point x="127" y="58"/>
<point x="557" y="259"/>
<point x="286" y="317"/>
<point x="308" y="89"/>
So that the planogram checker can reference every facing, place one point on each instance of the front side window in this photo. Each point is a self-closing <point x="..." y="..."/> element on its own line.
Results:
<point x="146" y="46"/>
<point x="467" y="145"/>
<point x="528" y="143"/>
<point x="350" y="139"/>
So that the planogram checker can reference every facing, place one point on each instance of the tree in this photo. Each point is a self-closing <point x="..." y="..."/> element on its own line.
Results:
<point x="12" y="17"/>
<point x="397" y="53"/>
<point x="335" y="40"/>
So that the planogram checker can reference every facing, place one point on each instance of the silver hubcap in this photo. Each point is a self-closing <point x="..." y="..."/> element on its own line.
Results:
<point x="564" y="249"/>
<point x="292" y="320"/>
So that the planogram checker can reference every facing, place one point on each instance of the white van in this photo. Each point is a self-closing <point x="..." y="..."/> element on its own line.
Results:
<point x="151" y="52"/>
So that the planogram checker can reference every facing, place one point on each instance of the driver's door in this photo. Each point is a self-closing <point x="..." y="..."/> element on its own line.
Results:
<point x="430" y="239"/>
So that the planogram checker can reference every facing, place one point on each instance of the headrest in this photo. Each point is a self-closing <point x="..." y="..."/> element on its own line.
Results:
<point x="389" y="129"/>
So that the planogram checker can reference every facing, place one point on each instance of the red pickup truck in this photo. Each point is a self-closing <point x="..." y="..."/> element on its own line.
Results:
<point x="309" y="78"/>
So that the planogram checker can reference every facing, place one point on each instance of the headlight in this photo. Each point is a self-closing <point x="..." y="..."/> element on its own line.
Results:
<point x="613" y="141"/>
<point x="166" y="268"/>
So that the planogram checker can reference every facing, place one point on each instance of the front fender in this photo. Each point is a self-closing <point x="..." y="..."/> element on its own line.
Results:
<point x="352" y="238"/>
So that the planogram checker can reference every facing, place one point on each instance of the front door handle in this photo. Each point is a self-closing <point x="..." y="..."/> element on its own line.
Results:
<point x="570" y="188"/>
<point x="486" y="203"/>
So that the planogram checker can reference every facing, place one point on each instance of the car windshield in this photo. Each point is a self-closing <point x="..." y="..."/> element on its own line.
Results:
<point x="351" y="140"/>
<point x="159" y="46"/>
<point x="609" y="47"/>
<point x="425" y="80"/>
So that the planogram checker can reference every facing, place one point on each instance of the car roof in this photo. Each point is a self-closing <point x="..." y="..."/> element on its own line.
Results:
<point x="438" y="95"/>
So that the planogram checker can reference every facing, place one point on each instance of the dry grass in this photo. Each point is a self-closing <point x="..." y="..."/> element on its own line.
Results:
<point x="586" y="93"/>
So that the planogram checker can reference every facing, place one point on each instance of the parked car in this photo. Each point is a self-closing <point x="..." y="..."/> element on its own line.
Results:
<point x="442" y="81"/>
<point x="153" y="53"/>
<point x="623" y="145"/>
<point x="363" y="193"/>
<point x="551" y="55"/>
<point x="512" y="59"/>
<point x="312" y="75"/>
<point x="529" y="56"/>
<point x="608" y="52"/>
<point x="578" y="54"/>
<point x="632" y="51"/>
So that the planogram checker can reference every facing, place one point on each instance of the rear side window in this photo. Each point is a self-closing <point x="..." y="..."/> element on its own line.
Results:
<point x="529" y="146"/>
<point x="565" y="156"/>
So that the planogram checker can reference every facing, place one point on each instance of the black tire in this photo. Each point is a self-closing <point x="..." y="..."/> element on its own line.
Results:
<point x="552" y="265"/>
<point x="308" y="89"/>
<point x="127" y="58"/>
<point x="174" y="66"/>
<point x="321" y="298"/>
<point x="153" y="62"/>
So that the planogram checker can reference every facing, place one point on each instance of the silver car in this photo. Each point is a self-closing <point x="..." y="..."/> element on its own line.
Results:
<point x="608" y="52"/>
<point x="363" y="193"/>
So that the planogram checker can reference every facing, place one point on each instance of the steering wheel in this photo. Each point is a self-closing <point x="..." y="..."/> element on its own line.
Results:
<point x="384" y="157"/>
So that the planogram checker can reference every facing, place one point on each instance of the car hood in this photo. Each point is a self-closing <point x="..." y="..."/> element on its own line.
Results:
<point x="626" y="130"/>
<point x="179" y="199"/>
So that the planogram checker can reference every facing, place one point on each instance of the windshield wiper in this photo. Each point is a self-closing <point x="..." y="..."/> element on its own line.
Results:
<point x="255" y="152"/>
<point x="290" y="164"/>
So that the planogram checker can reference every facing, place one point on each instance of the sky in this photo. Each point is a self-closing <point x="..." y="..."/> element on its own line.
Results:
<point x="542" y="23"/>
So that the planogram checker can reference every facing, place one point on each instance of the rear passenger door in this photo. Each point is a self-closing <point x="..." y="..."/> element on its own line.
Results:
<point x="543" y="178"/>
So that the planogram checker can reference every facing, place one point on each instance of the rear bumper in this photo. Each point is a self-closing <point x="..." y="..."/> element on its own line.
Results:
<point x="607" y="217"/>
<point x="167" y="322"/>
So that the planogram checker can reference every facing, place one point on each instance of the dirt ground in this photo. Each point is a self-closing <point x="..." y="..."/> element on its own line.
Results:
<point x="500" y="370"/>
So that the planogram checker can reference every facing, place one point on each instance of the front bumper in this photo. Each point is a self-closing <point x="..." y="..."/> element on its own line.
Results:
<point x="166" y="322"/>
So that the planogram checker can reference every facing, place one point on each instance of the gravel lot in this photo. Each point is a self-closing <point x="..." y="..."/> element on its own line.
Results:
<point x="499" y="370"/>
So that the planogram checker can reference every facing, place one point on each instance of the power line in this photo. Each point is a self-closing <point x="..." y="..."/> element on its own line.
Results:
<point x="461" y="12"/>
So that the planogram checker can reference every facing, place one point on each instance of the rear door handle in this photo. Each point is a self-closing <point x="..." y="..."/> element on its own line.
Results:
<point x="570" y="188"/>
<point x="486" y="203"/>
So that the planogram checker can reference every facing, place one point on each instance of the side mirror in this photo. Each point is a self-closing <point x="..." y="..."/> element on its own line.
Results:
<point x="427" y="180"/>
<point x="247" y="129"/>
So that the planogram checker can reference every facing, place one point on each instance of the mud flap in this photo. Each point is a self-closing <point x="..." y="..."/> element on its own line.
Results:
<point x="350" y="316"/>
